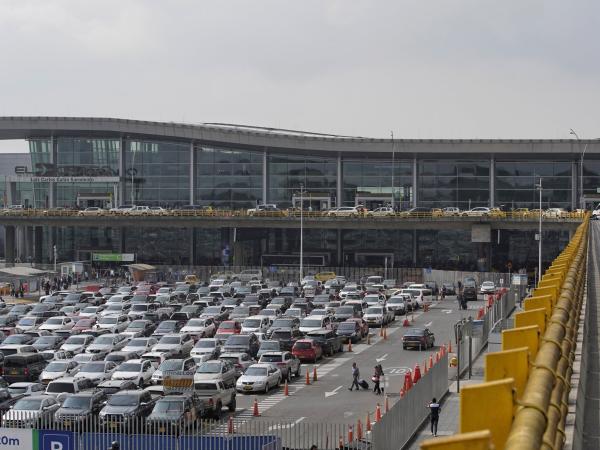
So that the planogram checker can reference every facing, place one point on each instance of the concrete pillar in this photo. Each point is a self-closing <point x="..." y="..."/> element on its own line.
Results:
<point x="339" y="180"/>
<point x="38" y="244"/>
<point x="265" y="178"/>
<point x="414" y="248"/>
<point x="122" y="178"/>
<point x="9" y="244"/>
<point x="492" y="181"/>
<point x="21" y="250"/>
<point x="414" y="183"/>
<point x="192" y="248"/>
<point x="122" y="240"/>
<point x="192" y="174"/>
<point x="28" y="244"/>
<point x="339" y="248"/>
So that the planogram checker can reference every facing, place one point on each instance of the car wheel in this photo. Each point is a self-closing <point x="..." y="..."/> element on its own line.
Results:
<point x="232" y="405"/>
<point x="266" y="391"/>
<point x="298" y="371"/>
<point x="218" y="411"/>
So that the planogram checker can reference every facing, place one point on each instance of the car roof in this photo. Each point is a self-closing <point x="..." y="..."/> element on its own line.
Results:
<point x="262" y="365"/>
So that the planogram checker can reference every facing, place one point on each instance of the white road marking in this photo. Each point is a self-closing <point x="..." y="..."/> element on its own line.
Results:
<point x="428" y="324"/>
<point x="447" y="311"/>
<point x="291" y="425"/>
<point x="381" y="358"/>
<point x="335" y="391"/>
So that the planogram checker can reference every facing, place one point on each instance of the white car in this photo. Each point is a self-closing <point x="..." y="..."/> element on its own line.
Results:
<point x="107" y="343"/>
<point x="59" y="369"/>
<point x="556" y="213"/>
<point x="377" y="316"/>
<point x="138" y="370"/>
<point x="200" y="327"/>
<point x="114" y="309"/>
<point x="96" y="371"/>
<point x="314" y="323"/>
<point x="140" y="345"/>
<point x="77" y="344"/>
<point x="343" y="211"/>
<point x="259" y="377"/>
<point x="374" y="299"/>
<point x="205" y="349"/>
<point x="90" y="312"/>
<point x="139" y="211"/>
<point x="186" y="364"/>
<point x="255" y="324"/>
<point x="114" y="324"/>
<point x="29" y="323"/>
<point x="480" y="211"/>
<point x="487" y="287"/>
<point x="122" y="209"/>
<point x="91" y="211"/>
<point x="216" y="370"/>
<point x="58" y="323"/>
<point x="177" y="344"/>
<point x="450" y="211"/>
<point x="384" y="211"/>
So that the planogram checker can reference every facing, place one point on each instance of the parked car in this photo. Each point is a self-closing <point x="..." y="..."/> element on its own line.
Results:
<point x="487" y="287"/>
<point x="79" y="409"/>
<point x="125" y="408"/>
<point x="329" y="341"/>
<point x="23" y="367"/>
<point x="96" y="371"/>
<point x="31" y="412"/>
<point x="137" y="370"/>
<point x="218" y="370"/>
<point x="58" y="369"/>
<point x="259" y="377"/>
<point x="200" y="327"/>
<point x="307" y="350"/>
<point x="378" y="316"/>
<point x="286" y="361"/>
<point x="185" y="364"/>
<point x="240" y="361"/>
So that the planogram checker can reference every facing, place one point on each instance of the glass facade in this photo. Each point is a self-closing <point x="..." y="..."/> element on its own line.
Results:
<point x="369" y="182"/>
<point x="516" y="180"/>
<point x="591" y="177"/>
<point x="288" y="173"/>
<point x="461" y="183"/>
<point x="228" y="178"/>
<point x="78" y="243"/>
<point x="159" y="171"/>
<point x="86" y="157"/>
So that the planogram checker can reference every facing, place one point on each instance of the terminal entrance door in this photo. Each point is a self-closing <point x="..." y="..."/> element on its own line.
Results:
<point x="371" y="203"/>
<point x="374" y="259"/>
<point x="312" y="202"/>
<point x="99" y="200"/>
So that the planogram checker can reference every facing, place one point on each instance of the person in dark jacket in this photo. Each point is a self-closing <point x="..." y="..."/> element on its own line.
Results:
<point x="355" y="377"/>
<point x="434" y="415"/>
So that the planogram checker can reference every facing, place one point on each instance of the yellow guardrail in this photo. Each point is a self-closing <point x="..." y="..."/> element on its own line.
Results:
<point x="434" y="214"/>
<point x="522" y="403"/>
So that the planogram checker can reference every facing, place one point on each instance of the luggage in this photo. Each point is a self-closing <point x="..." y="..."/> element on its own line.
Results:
<point x="364" y="384"/>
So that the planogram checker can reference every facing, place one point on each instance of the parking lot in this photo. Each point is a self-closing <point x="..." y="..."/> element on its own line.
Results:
<point x="198" y="345"/>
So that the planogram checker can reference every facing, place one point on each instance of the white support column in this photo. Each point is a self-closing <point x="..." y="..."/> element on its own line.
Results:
<point x="122" y="177"/>
<point x="192" y="174"/>
<point x="575" y="181"/>
<point x="265" y="177"/>
<point x="338" y="181"/>
<point x="414" y="186"/>
<point x="51" y="184"/>
<point x="492" y="181"/>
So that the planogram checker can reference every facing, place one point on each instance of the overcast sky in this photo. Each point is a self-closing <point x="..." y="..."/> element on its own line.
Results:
<point x="424" y="69"/>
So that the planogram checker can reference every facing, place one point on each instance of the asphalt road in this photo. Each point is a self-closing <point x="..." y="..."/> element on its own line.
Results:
<point x="329" y="400"/>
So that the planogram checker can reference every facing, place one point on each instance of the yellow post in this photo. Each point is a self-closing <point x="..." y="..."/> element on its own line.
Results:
<point x="477" y="440"/>
<point x="508" y="364"/>
<point x="522" y="337"/>
<point x="539" y="302"/>
<point x="488" y="406"/>
<point x="542" y="291"/>
<point x="531" y="317"/>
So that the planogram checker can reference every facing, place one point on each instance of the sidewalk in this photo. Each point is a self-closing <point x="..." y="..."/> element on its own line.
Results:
<point x="450" y="413"/>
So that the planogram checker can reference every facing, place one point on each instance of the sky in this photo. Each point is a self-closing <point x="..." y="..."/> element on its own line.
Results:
<point x="419" y="69"/>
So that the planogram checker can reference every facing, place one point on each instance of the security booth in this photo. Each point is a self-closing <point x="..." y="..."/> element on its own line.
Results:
<point x="312" y="201"/>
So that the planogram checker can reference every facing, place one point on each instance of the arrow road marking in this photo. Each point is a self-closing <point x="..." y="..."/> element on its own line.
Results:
<point x="291" y="425"/>
<point x="428" y="324"/>
<point x="335" y="391"/>
<point x="447" y="311"/>
<point x="381" y="358"/>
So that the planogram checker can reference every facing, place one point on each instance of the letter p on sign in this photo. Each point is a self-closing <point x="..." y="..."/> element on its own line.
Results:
<point x="55" y="445"/>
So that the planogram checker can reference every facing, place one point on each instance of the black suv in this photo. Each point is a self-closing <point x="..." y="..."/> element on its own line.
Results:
<point x="329" y="341"/>
<point x="78" y="409"/>
<point x="469" y="289"/>
<point x="126" y="409"/>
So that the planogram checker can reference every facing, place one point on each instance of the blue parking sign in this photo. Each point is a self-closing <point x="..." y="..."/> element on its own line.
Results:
<point x="56" y="440"/>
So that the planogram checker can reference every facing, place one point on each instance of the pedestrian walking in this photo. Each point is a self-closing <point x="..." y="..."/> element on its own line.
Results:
<point x="377" y="378"/>
<point x="434" y="415"/>
<point x="355" y="377"/>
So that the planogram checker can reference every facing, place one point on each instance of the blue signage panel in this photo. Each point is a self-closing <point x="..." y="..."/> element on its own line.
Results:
<point x="56" y="440"/>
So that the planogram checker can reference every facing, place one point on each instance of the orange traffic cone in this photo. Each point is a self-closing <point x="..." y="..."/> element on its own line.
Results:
<point x="307" y="377"/>
<point x="430" y="362"/>
<point x="359" y="432"/>
<point x="425" y="370"/>
<point x="417" y="375"/>
<point x="387" y="404"/>
<point x="341" y="443"/>
<point x="368" y="423"/>
<point x="401" y="392"/>
<point x="406" y="323"/>
<point x="378" y="413"/>
<point x="449" y="346"/>
<point x="230" y="425"/>
<point x="350" y="434"/>
<point x="437" y="356"/>
<point x="255" y="412"/>
<point x="286" y="389"/>
<point x="385" y="333"/>
<point x="314" y="374"/>
<point x="407" y="381"/>
<point x="349" y="345"/>
<point x="381" y="331"/>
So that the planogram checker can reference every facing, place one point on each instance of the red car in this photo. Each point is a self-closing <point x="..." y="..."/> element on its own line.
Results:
<point x="307" y="350"/>
<point x="230" y="327"/>
<point x="84" y="325"/>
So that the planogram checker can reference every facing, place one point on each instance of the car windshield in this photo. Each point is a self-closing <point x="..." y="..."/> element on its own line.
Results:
<point x="271" y="358"/>
<point x="137" y="343"/>
<point x="16" y="339"/>
<point x="237" y="340"/>
<point x="137" y="324"/>
<point x="75" y="340"/>
<point x="374" y="311"/>
<point x="104" y="340"/>
<point x="415" y="332"/>
<point x="281" y="335"/>
<point x="27" y="321"/>
<point x="310" y="323"/>
<point x="26" y="404"/>
<point x="209" y="367"/>
<point x="346" y="326"/>
<point x="196" y="323"/>
<point x="108" y="320"/>
<point x="57" y="366"/>
<point x="90" y="309"/>
<point x="73" y="402"/>
<point x="269" y="345"/>
<point x="283" y="323"/>
<point x="256" y="372"/>
<point x="84" y="322"/>
<point x="206" y="344"/>
<point x="130" y="367"/>
<point x="168" y="325"/>
<point x="252" y="323"/>
<point x="169" y="406"/>
<point x="227" y="326"/>
<point x="93" y="367"/>
<point x="170" y="340"/>
<point x="213" y="310"/>
<point x="55" y="321"/>
<point x="303" y="345"/>
<point x="59" y="388"/>
<point x="46" y="340"/>
<point x="171" y="364"/>
<point x="396" y="300"/>
<point x="344" y="310"/>
<point x="139" y="307"/>
<point x="123" y="400"/>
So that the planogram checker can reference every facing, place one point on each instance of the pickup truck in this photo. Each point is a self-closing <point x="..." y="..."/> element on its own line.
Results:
<point x="213" y="396"/>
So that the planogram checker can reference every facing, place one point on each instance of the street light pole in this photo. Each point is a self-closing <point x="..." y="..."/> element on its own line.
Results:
<point x="539" y="277"/>
<point x="393" y="169"/>
<point x="571" y="131"/>
<point x="301" y="232"/>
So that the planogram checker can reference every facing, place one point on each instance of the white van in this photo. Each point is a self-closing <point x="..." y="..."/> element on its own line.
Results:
<point x="420" y="295"/>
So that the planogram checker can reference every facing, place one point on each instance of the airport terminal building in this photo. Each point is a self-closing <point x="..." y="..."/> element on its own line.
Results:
<point x="81" y="162"/>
